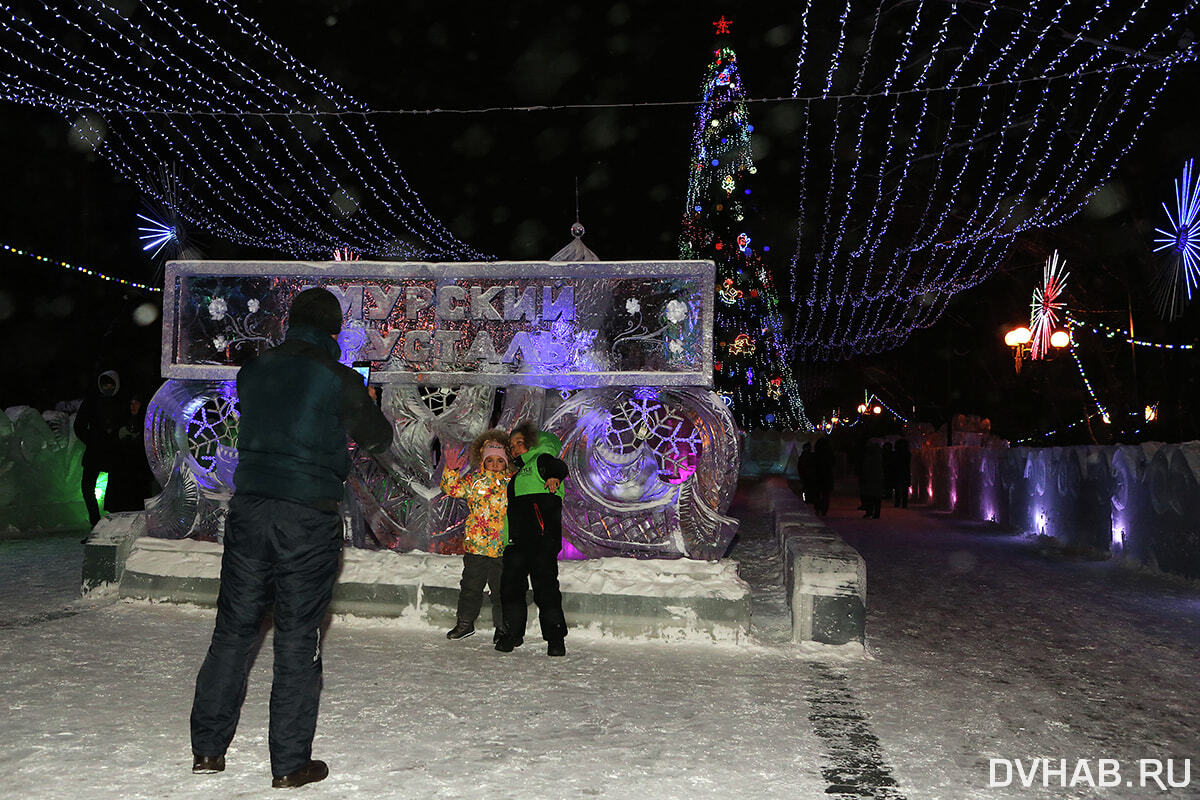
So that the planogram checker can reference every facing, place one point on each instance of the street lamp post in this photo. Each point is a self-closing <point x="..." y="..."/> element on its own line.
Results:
<point x="1019" y="340"/>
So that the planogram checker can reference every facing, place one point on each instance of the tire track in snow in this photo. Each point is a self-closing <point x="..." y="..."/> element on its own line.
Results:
<point x="38" y="619"/>
<point x="855" y="764"/>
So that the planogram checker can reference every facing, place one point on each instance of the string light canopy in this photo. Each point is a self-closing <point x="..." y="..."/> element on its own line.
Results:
<point x="207" y="91"/>
<point x="937" y="133"/>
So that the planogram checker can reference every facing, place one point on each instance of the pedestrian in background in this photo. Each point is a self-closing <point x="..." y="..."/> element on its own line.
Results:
<point x="130" y="481"/>
<point x="902" y="474"/>
<point x="804" y="470"/>
<point x="822" y="475"/>
<point x="870" y="480"/>
<point x="96" y="425"/>
<point x="889" y="467"/>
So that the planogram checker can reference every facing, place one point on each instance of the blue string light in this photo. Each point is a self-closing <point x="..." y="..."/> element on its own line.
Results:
<point x="1054" y="432"/>
<point x="873" y="398"/>
<point x="1075" y="424"/>
<point x="1087" y="383"/>
<point x="1100" y="329"/>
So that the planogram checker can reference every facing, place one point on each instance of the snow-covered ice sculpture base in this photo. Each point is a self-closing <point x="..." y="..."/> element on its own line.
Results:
<point x="679" y="600"/>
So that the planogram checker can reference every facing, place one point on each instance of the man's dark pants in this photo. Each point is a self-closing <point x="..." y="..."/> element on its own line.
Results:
<point x="280" y="555"/>
<point x="536" y="563"/>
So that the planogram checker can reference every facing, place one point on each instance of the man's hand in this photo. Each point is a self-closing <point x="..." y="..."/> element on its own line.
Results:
<point x="552" y="485"/>
<point x="373" y="391"/>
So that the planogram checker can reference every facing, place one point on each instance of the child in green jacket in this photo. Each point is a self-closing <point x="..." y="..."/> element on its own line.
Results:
<point x="535" y="496"/>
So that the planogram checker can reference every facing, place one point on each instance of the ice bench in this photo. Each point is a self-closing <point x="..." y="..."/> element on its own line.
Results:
<point x="826" y="579"/>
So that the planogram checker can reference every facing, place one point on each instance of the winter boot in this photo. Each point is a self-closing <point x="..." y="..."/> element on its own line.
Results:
<point x="311" y="772"/>
<point x="507" y="643"/>
<point x="461" y="630"/>
<point x="557" y="647"/>
<point x="206" y="765"/>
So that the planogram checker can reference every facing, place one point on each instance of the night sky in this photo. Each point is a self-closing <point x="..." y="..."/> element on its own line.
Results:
<point x="505" y="182"/>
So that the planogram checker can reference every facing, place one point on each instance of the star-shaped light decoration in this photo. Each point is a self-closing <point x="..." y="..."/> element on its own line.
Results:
<point x="1043" y="316"/>
<point x="156" y="234"/>
<point x="163" y="227"/>
<point x="1181" y="240"/>
<point x="722" y="25"/>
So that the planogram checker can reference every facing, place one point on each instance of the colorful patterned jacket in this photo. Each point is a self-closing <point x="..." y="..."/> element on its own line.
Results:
<point x="486" y="493"/>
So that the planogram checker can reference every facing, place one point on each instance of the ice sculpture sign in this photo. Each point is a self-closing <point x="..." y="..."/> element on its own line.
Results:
<point x="549" y="324"/>
<point x="614" y="358"/>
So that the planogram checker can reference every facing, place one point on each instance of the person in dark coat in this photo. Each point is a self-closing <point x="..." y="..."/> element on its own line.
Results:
<point x="534" y="532"/>
<point x="283" y="536"/>
<point x="804" y="470"/>
<point x="889" y="466"/>
<point x="822" y="475"/>
<point x="130" y="480"/>
<point x="96" y="425"/>
<point x="870" y="480"/>
<point x="902" y="474"/>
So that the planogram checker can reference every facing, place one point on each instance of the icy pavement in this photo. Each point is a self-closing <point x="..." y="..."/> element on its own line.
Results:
<point x="978" y="648"/>
<point x="39" y="576"/>
<point x="983" y="648"/>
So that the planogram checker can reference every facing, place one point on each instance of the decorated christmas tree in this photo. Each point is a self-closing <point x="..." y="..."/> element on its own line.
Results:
<point x="751" y="366"/>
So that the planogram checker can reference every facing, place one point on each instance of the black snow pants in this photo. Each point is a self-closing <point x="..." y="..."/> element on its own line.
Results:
<point x="87" y="486"/>
<point x="536" y="563"/>
<point x="477" y="571"/>
<point x="283" y="556"/>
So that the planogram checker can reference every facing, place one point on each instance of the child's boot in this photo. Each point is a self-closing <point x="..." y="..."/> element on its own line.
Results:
<point x="461" y="630"/>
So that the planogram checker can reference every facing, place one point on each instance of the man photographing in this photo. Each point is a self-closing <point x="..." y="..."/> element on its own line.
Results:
<point x="283" y="535"/>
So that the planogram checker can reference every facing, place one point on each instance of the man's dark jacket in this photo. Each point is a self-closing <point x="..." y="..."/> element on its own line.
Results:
<point x="297" y="406"/>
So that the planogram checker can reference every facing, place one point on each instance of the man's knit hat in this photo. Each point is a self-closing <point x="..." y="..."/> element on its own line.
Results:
<point x="317" y="308"/>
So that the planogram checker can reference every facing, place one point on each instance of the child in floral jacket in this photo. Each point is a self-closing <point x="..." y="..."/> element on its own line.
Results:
<point x="487" y="502"/>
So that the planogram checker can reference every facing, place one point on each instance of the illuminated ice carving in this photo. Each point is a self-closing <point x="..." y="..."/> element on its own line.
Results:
<point x="539" y="323"/>
<point x="652" y="472"/>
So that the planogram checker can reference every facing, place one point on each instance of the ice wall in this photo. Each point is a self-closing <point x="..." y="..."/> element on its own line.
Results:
<point x="40" y="471"/>
<point x="772" y="452"/>
<point x="1137" y="501"/>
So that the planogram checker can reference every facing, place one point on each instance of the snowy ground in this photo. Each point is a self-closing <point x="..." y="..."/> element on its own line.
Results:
<point x="978" y="648"/>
